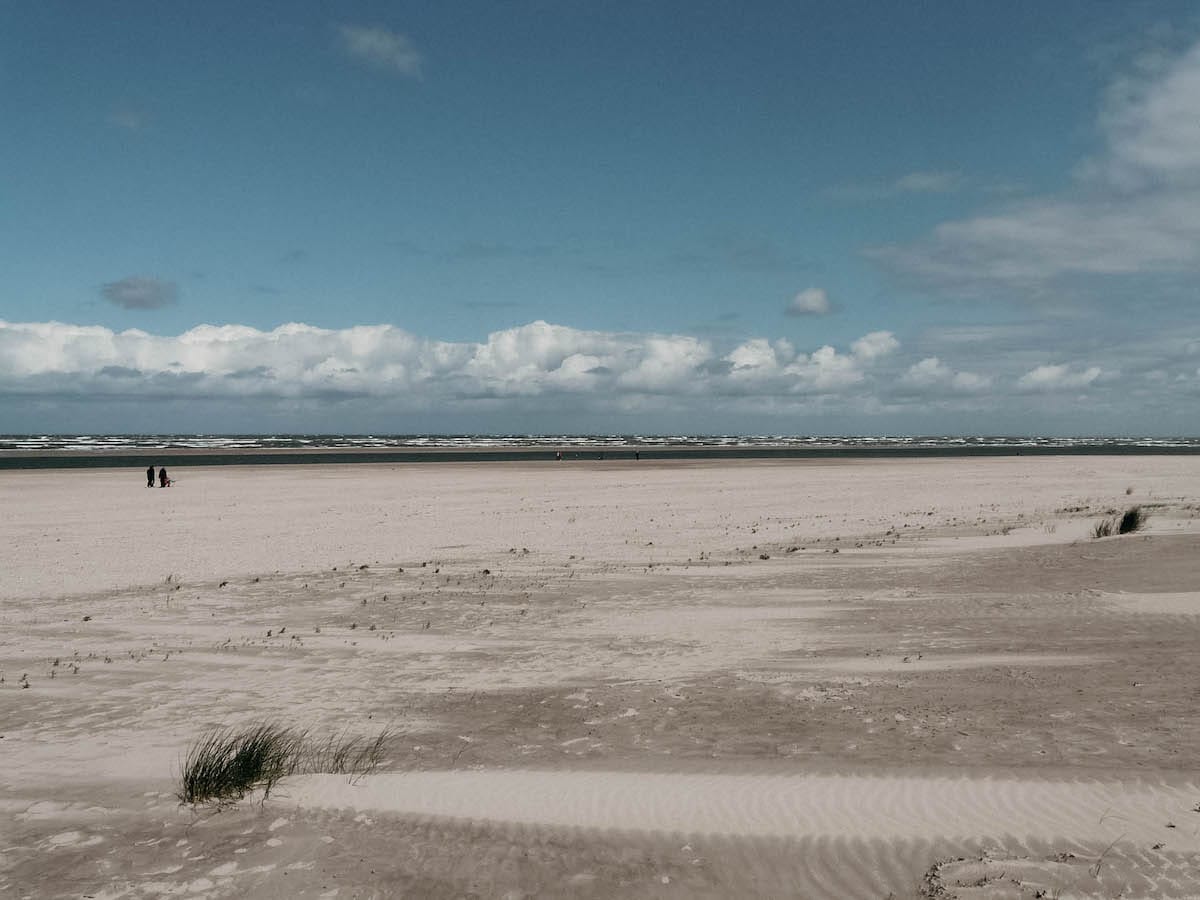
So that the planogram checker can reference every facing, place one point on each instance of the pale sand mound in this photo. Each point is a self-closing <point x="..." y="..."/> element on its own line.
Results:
<point x="834" y="806"/>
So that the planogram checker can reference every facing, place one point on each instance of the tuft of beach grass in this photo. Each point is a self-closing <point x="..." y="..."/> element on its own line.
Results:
<point x="225" y="764"/>
<point x="1128" y="522"/>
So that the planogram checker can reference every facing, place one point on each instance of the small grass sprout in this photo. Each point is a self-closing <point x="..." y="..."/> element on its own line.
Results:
<point x="345" y="754"/>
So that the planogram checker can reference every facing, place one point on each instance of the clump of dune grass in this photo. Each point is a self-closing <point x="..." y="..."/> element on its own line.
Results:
<point x="1129" y="521"/>
<point x="225" y="764"/>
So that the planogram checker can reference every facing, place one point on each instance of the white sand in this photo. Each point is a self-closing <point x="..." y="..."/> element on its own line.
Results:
<point x="596" y="680"/>
<point x="75" y="531"/>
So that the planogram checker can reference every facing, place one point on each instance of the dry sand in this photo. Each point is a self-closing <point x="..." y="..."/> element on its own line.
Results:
<point x="714" y="678"/>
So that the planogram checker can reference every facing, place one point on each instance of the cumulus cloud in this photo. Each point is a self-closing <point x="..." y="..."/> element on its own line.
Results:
<point x="1058" y="378"/>
<point x="1134" y="209"/>
<point x="759" y="365"/>
<point x="811" y="301"/>
<point x="874" y="345"/>
<point x="381" y="49"/>
<point x="931" y="372"/>
<point x="140" y="292"/>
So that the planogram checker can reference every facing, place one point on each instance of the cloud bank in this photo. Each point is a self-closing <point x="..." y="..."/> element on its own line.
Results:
<point x="545" y="377"/>
<point x="533" y="360"/>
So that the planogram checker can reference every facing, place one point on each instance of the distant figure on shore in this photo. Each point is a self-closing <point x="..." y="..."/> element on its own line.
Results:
<point x="637" y="454"/>
<point x="163" y="479"/>
<point x="558" y="455"/>
<point x="150" y="477"/>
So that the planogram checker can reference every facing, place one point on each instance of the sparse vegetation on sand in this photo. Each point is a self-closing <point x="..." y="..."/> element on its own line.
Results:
<point x="225" y="764"/>
<point x="1129" y="521"/>
<point x="345" y="754"/>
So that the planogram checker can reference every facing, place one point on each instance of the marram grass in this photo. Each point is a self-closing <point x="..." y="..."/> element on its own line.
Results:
<point x="1129" y="521"/>
<point x="225" y="764"/>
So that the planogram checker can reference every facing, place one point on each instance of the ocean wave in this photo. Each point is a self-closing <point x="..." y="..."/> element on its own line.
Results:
<point x="134" y="443"/>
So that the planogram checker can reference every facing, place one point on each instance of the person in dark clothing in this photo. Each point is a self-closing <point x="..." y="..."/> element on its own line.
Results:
<point x="150" y="477"/>
<point x="163" y="480"/>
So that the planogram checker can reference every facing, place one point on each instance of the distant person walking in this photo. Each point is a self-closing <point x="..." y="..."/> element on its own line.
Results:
<point x="163" y="480"/>
<point x="150" y="477"/>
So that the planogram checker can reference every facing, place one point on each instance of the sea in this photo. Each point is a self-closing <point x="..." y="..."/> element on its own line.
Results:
<point x="33" y="451"/>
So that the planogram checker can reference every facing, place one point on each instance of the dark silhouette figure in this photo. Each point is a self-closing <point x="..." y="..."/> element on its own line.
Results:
<point x="150" y="477"/>
<point x="163" y="480"/>
<point x="558" y="455"/>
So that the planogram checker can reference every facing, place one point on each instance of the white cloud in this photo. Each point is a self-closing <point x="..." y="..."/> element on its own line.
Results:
<point x="1134" y="211"/>
<point x="1150" y="124"/>
<point x="382" y="49"/>
<point x="874" y="345"/>
<point x="761" y="365"/>
<point x="536" y="376"/>
<point x="811" y="301"/>
<point x="827" y="370"/>
<point x="759" y="354"/>
<point x="931" y="372"/>
<point x="1058" y="378"/>
<point x="297" y="360"/>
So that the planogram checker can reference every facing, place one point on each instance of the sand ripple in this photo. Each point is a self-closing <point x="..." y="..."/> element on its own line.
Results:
<point x="836" y="806"/>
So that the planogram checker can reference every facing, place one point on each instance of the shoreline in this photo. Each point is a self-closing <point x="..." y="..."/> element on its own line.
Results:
<point x="184" y="456"/>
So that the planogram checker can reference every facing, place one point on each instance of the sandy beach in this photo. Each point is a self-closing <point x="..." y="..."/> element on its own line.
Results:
<point x="710" y="678"/>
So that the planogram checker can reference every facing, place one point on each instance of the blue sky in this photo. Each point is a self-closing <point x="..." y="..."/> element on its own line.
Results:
<point x="775" y="217"/>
